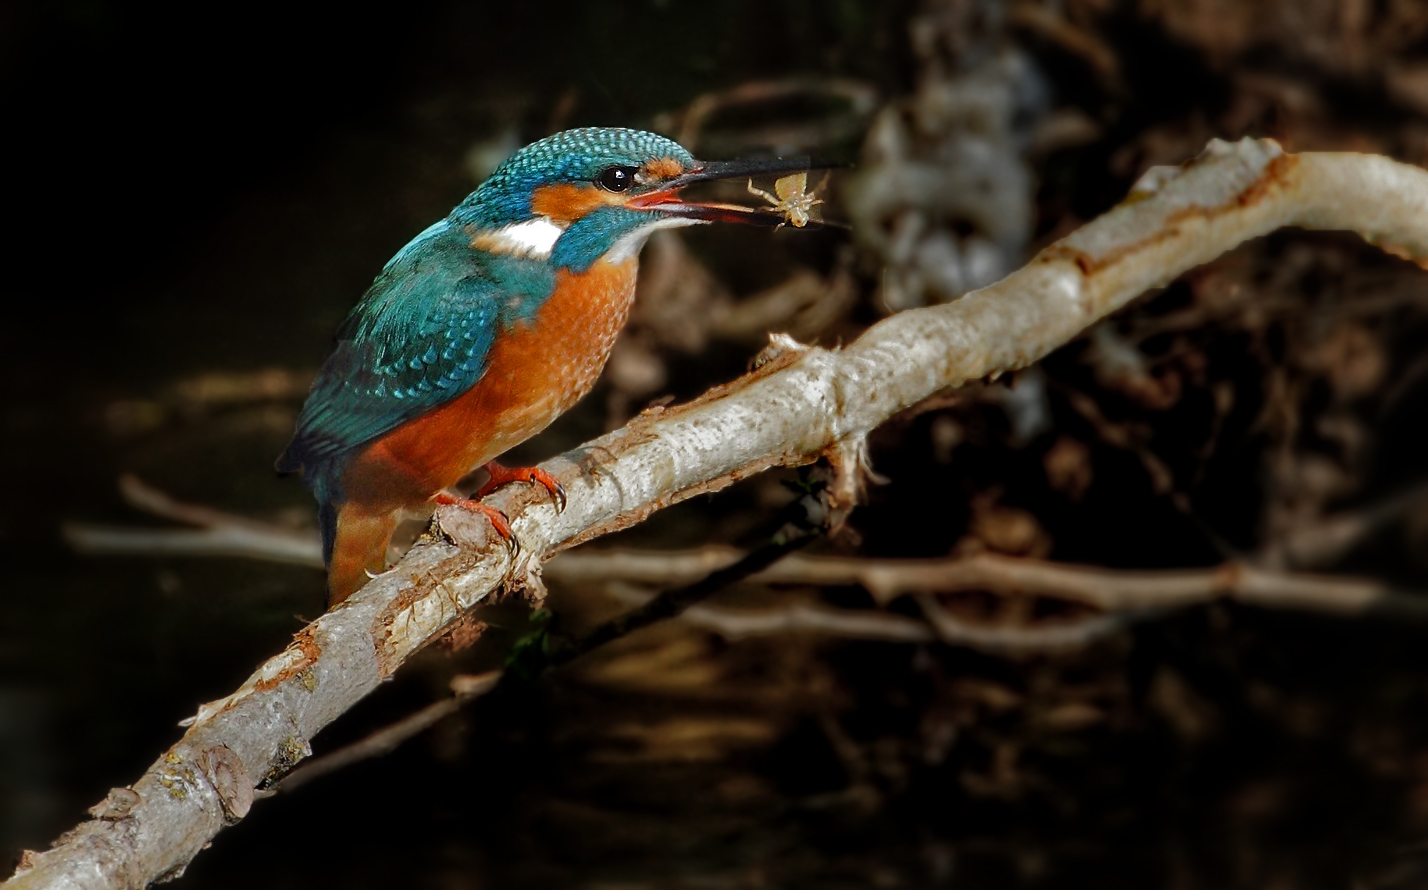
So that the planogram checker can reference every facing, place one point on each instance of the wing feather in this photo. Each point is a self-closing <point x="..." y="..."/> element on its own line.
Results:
<point x="419" y="338"/>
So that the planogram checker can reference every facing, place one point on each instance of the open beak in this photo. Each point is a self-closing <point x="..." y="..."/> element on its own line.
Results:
<point x="666" y="198"/>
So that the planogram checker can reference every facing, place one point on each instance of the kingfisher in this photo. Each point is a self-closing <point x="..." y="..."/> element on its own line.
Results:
<point x="485" y="328"/>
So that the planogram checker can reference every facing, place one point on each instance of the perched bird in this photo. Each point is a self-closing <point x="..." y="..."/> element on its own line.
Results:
<point x="485" y="328"/>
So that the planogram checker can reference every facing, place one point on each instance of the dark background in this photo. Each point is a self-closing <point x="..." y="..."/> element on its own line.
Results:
<point x="195" y="196"/>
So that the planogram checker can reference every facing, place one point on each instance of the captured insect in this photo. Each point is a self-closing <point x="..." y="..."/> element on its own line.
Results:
<point x="792" y="198"/>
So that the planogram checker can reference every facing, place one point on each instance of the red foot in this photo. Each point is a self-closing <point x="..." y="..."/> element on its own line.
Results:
<point x="499" y="522"/>
<point x="501" y="475"/>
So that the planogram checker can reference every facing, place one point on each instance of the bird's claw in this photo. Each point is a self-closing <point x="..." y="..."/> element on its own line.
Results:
<point x="559" y="495"/>
<point x="500" y="523"/>
<point x="501" y="475"/>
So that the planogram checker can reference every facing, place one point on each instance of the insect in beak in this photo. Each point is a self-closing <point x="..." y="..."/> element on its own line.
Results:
<point x="791" y="209"/>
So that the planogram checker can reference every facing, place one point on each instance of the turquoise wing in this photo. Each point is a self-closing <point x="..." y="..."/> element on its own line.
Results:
<point x="419" y="338"/>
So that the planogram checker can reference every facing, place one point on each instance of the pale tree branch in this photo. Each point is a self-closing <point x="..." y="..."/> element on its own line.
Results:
<point x="801" y="404"/>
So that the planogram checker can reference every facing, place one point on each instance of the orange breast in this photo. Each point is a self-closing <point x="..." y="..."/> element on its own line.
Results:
<point x="535" y="372"/>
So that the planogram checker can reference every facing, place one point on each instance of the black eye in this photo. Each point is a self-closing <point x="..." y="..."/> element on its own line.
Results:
<point x="616" y="179"/>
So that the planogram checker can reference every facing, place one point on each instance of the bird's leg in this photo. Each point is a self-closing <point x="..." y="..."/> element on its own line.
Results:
<point x="499" y="522"/>
<point x="501" y="475"/>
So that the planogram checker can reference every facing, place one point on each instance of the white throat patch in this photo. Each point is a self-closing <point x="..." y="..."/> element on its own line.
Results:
<point x="532" y="238"/>
<point x="629" y="244"/>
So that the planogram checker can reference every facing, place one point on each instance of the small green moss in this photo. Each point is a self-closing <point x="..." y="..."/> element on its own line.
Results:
<point x="293" y="749"/>
<point x="527" y="659"/>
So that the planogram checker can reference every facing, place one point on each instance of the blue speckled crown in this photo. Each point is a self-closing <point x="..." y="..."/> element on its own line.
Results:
<point x="569" y="156"/>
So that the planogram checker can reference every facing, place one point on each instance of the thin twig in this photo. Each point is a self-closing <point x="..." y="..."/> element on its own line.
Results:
<point x="670" y="603"/>
<point x="738" y="624"/>
<point x="861" y="98"/>
<point x="217" y="533"/>
<point x="1327" y="539"/>
<point x="465" y="688"/>
<point x="1020" y="640"/>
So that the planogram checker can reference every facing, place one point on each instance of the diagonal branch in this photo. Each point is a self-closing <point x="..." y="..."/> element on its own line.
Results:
<point x="801" y="404"/>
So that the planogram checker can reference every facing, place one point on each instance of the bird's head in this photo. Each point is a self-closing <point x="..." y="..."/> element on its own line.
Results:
<point x="595" y="192"/>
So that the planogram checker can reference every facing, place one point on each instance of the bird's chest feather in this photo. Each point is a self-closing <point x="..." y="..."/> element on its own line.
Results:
<point x="535" y="371"/>
<point x="540" y="370"/>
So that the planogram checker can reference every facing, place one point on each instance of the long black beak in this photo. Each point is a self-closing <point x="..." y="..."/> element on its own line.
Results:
<point x="666" y="198"/>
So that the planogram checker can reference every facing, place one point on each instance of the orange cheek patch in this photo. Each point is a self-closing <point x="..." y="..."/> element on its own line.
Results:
<point x="568" y="201"/>
<point x="662" y="168"/>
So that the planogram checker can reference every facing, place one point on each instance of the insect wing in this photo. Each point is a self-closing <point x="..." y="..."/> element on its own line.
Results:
<point x="791" y="187"/>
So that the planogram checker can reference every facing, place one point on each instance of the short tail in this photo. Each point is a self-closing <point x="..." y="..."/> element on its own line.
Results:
<point x="327" y="524"/>
<point x="355" y="543"/>
<point x="354" y="539"/>
<point x="355" y="536"/>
